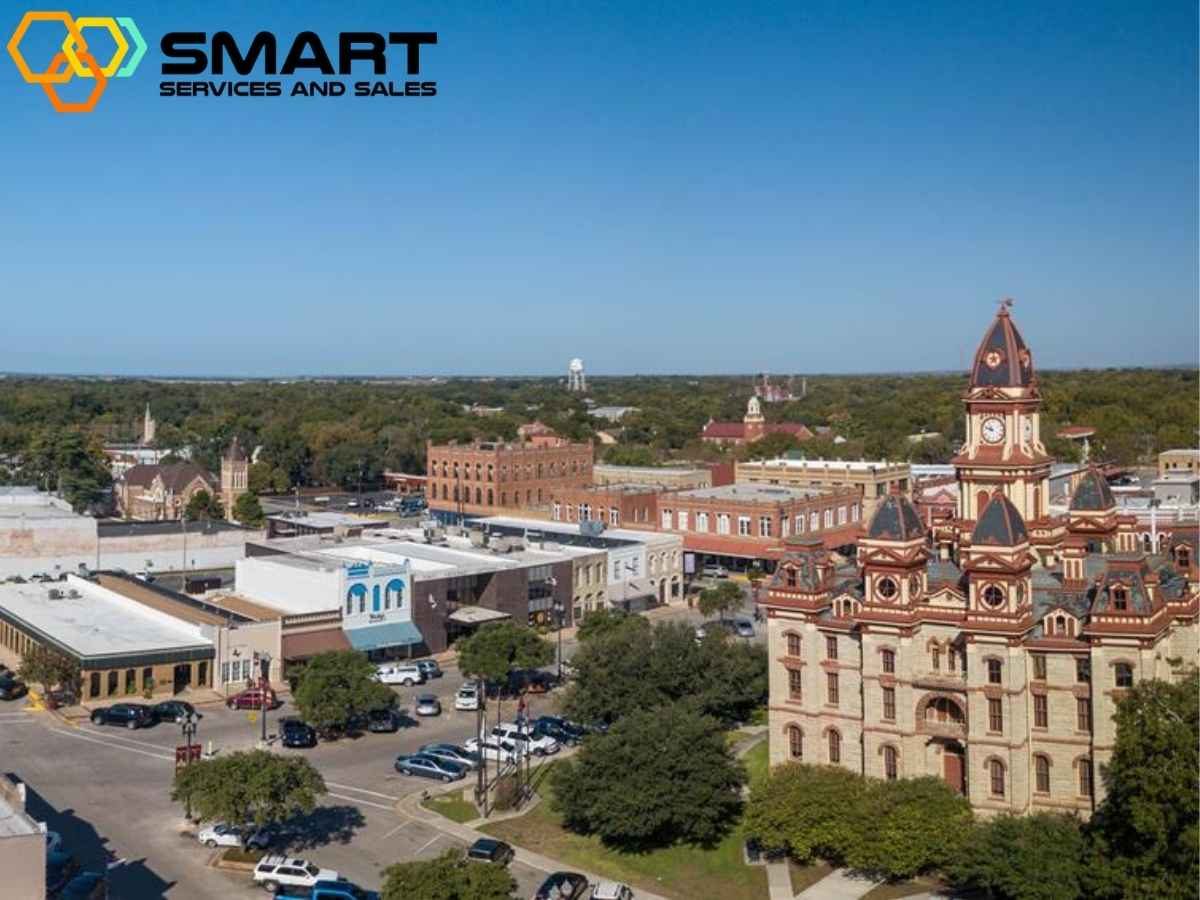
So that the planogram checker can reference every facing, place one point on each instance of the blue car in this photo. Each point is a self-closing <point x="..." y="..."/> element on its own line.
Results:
<point x="427" y="766"/>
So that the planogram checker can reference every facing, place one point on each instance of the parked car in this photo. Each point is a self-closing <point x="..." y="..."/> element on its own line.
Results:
<point x="712" y="570"/>
<point x="429" y="668"/>
<point x="340" y="890"/>
<point x="452" y="753"/>
<point x="222" y="835"/>
<point x="296" y="733"/>
<point x="467" y="698"/>
<point x="537" y="744"/>
<point x="562" y="730"/>
<point x="491" y="748"/>
<point x="562" y="886"/>
<point x="130" y="715"/>
<point x="85" y="886"/>
<point x="279" y="874"/>
<point x="172" y="711"/>
<point x="252" y="698"/>
<point x="429" y="767"/>
<point x="60" y="868"/>
<point x="388" y="720"/>
<point x="428" y="705"/>
<point x="612" y="890"/>
<point x="11" y="688"/>
<point x="743" y="627"/>
<point x="489" y="850"/>
<point x="393" y="673"/>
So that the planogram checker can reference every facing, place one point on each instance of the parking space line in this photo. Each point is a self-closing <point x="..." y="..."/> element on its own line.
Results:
<point x="394" y="830"/>
<point x="362" y="801"/>
<point x="113" y="736"/>
<point x="428" y="843"/>
<point x="91" y="740"/>
<point x="349" y="787"/>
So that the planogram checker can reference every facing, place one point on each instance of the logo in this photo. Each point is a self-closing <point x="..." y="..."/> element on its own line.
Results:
<point x="74" y="59"/>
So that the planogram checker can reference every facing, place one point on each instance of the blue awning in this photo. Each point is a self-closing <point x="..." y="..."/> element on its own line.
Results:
<point x="391" y="634"/>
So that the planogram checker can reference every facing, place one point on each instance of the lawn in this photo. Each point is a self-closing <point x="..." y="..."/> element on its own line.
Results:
<point x="756" y="761"/>
<point x="452" y="806"/>
<point x="683" y="872"/>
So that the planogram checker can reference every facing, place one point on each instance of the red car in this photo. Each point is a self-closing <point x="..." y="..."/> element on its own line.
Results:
<point x="253" y="699"/>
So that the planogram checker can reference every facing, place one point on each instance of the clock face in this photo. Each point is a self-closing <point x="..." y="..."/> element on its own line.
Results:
<point x="993" y="430"/>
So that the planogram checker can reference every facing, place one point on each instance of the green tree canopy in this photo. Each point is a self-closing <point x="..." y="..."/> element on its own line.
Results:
<point x="599" y="621"/>
<point x="722" y="598"/>
<point x="336" y="686"/>
<point x="49" y="668"/>
<point x="1145" y="835"/>
<point x="249" y="786"/>
<point x="202" y="506"/>
<point x="498" y="648"/>
<point x="248" y="511"/>
<point x="1038" y="857"/>
<point x="657" y="777"/>
<point x="810" y="811"/>
<point x="447" y="877"/>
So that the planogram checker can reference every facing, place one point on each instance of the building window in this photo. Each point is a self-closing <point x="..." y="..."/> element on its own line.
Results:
<point x="795" y="742"/>
<point x="1039" y="666"/>
<point x="996" y="772"/>
<point x="790" y="577"/>
<point x="585" y="512"/>
<point x="889" y="704"/>
<point x="995" y="670"/>
<point x="785" y="526"/>
<point x="1085" y="777"/>
<point x="667" y="522"/>
<point x="1083" y="671"/>
<point x="889" y="661"/>
<point x="1120" y="598"/>
<point x="1083" y="714"/>
<point x="131" y="681"/>
<point x="993" y="596"/>
<point x="854" y="513"/>
<point x="829" y="518"/>
<point x="683" y="520"/>
<point x="795" y="684"/>
<point x="722" y="523"/>
<point x="614" y="516"/>
<point x="841" y="515"/>
<point x="835" y="747"/>
<point x="744" y="526"/>
<point x="764" y="526"/>
<point x="702" y="521"/>
<point x="1123" y="675"/>
<point x="936" y="656"/>
<point x="889" y="763"/>
<point x="1042" y="769"/>
<point x="112" y="683"/>
<point x="793" y="645"/>
<point x="831" y="688"/>
<point x="831" y="647"/>
<point x="556" y="511"/>
<point x="800" y="524"/>
<point x="886" y="588"/>
<point x="995" y="715"/>
<point x="1041" y="711"/>
<point x="814" y="521"/>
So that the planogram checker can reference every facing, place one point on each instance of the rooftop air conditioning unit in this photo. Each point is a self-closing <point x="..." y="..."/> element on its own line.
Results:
<point x="55" y="594"/>
<point x="74" y="594"/>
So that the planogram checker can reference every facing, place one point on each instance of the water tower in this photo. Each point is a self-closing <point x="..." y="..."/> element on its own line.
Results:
<point x="576" y="380"/>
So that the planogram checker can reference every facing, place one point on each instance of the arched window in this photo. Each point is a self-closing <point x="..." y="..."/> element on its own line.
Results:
<point x="936" y="657"/>
<point x="995" y="670"/>
<point x="1182" y="557"/>
<point x="1120" y="598"/>
<point x="491" y="498"/>
<point x="1085" y="777"/>
<point x="793" y="644"/>
<point x="394" y="593"/>
<point x="1041" y="766"/>
<point x="1123" y="675"/>
<point x="943" y="709"/>
<point x="795" y="742"/>
<point x="835" y="746"/>
<point x="359" y="592"/>
<point x="996" y="777"/>
<point x="478" y="497"/>
<point x="376" y="599"/>
<point x="889" y="763"/>
<point x="993" y="596"/>
<point x="889" y="661"/>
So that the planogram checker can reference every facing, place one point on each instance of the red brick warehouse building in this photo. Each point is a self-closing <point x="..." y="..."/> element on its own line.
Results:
<point x="488" y="478"/>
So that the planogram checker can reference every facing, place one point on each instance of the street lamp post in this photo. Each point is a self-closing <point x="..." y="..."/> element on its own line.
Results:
<point x="189" y="735"/>
<point x="559" y="609"/>
<point x="264" y="662"/>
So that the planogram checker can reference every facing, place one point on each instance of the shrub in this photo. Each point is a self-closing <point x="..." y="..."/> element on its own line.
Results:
<point x="1038" y="857"/>
<point x="810" y="811"/>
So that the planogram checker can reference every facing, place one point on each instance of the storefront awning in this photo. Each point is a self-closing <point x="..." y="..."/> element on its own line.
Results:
<point x="476" y="615"/>
<point x="391" y="634"/>
<point x="306" y="644"/>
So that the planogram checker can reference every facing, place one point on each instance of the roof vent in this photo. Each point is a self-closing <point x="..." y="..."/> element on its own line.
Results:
<point x="54" y="594"/>
<point x="74" y="594"/>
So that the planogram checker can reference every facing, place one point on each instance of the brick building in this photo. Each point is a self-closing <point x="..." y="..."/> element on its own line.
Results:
<point x="616" y="505"/>
<point x="753" y="427"/>
<point x="158" y="492"/>
<point x="490" y="478"/>
<point x="677" y="478"/>
<point x="994" y="656"/>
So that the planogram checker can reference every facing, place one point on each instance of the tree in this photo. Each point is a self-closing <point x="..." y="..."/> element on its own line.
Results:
<point x="657" y="777"/>
<point x="810" y="811"/>
<point x="248" y="511"/>
<point x="907" y="827"/>
<point x="498" y="648"/>
<point x="1038" y="857"/>
<point x="724" y="597"/>
<point x="250" y="786"/>
<point x="67" y="461"/>
<point x="202" y="506"/>
<point x="47" y="667"/>
<point x="598" y="622"/>
<point x="337" y="686"/>
<point x="1145" y="835"/>
<point x="448" y="877"/>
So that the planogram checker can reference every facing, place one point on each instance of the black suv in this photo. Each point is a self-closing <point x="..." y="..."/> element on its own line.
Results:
<point x="173" y="711"/>
<point x="294" y="733"/>
<point x="131" y="715"/>
<point x="558" y="728"/>
<point x="11" y="688"/>
<point x="488" y="850"/>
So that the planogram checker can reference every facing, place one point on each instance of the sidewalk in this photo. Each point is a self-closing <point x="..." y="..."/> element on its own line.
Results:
<point x="839" y="884"/>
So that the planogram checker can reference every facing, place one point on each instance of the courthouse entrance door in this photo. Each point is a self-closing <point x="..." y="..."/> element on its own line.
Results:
<point x="954" y="769"/>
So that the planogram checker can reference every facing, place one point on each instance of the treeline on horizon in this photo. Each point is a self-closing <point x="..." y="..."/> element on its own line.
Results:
<point x="341" y="432"/>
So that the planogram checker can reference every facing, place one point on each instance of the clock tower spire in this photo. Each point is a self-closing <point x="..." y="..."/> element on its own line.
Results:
<point x="1003" y="450"/>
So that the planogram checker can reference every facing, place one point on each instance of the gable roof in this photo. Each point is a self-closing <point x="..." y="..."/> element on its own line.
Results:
<point x="175" y="477"/>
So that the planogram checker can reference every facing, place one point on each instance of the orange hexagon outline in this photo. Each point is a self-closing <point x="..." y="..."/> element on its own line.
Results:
<point x="110" y="25"/>
<point x="49" y="76"/>
<point x="60" y="59"/>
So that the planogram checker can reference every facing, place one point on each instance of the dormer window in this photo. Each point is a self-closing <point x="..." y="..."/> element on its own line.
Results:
<point x="993" y="596"/>
<point x="1182" y="557"/>
<point x="1120" y="598"/>
<point x="791" y="578"/>
<point x="886" y="588"/>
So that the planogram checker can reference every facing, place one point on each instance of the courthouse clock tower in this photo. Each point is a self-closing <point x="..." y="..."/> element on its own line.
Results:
<point x="1003" y="450"/>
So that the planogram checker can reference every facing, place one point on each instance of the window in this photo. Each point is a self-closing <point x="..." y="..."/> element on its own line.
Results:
<point x="831" y="687"/>
<point x="556" y="511"/>
<point x="683" y="520"/>
<point x="936" y="655"/>
<point x="835" y="747"/>
<point x="800" y="524"/>
<point x="784" y="526"/>
<point x="814" y="522"/>
<point x="996" y="773"/>
<point x="764" y="526"/>
<point x="744" y="526"/>
<point x="795" y="742"/>
<point x="1041" y="711"/>
<point x="702" y="521"/>
<point x="666" y="519"/>
<point x="829" y="518"/>
<point x="1039" y="666"/>
<point x="1120" y="598"/>
<point x="1083" y="670"/>
<point x="1123" y="675"/>
<point x="993" y="596"/>
<point x="1083" y="714"/>
<point x="889" y="704"/>
<point x="722" y="523"/>
<point x="831" y="647"/>
<point x="1085" y="777"/>
<point x="614" y="516"/>
<point x="889" y="661"/>
<point x="790" y="577"/>
<point x="585" y="512"/>
<point x="886" y="588"/>
<point x="1041" y="767"/>
<point x="793" y="645"/>
<point x="995" y="670"/>
<point x="889" y="763"/>
<point x="130" y="681"/>
<point x="995" y="714"/>
<point x="795" y="684"/>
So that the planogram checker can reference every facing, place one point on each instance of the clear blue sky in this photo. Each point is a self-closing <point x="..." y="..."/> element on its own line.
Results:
<point x="652" y="186"/>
